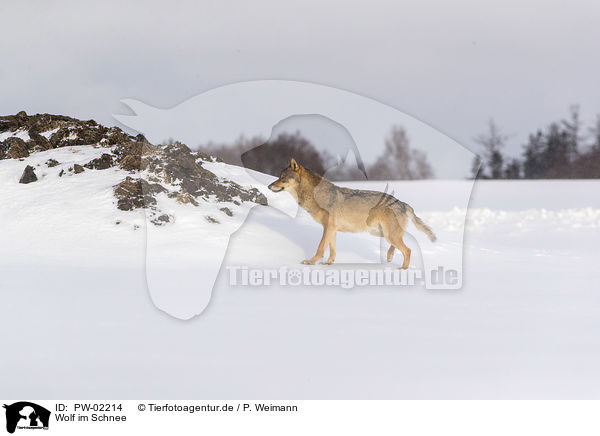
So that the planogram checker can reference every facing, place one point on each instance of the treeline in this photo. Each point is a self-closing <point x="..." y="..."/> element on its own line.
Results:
<point x="398" y="160"/>
<point x="565" y="149"/>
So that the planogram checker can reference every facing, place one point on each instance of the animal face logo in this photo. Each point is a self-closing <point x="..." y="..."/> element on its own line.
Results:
<point x="183" y="259"/>
<point x="26" y="415"/>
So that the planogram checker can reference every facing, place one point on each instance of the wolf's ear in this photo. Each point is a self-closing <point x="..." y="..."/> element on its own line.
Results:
<point x="293" y="164"/>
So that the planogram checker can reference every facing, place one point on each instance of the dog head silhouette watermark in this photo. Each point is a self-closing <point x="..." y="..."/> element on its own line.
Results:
<point x="207" y="201"/>
<point x="26" y="415"/>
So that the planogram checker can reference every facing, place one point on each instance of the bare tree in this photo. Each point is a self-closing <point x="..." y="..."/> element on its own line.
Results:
<point x="492" y="142"/>
<point x="274" y="155"/>
<point x="476" y="167"/>
<point x="339" y="169"/>
<point x="595" y="133"/>
<point x="573" y="128"/>
<point x="513" y="169"/>
<point x="269" y="156"/>
<point x="399" y="161"/>
<point x="232" y="153"/>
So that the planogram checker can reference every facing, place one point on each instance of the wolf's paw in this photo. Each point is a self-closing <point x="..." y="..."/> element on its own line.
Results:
<point x="308" y="262"/>
<point x="328" y="262"/>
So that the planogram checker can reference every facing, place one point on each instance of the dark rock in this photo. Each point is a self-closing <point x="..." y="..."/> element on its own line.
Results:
<point x="202" y="156"/>
<point x="131" y="162"/>
<point x="186" y="198"/>
<point x="39" y="142"/>
<point x="136" y="193"/>
<point x="211" y="220"/>
<point x="21" y="118"/>
<point x="43" y="123"/>
<point x="161" y="220"/>
<point x="86" y="135"/>
<point x="133" y="156"/>
<point x="70" y="131"/>
<point x="62" y="173"/>
<point x="17" y="148"/>
<point x="57" y="137"/>
<point x="39" y="123"/>
<point x="184" y="170"/>
<point x="101" y="163"/>
<point x="177" y="165"/>
<point x="78" y="169"/>
<point x="28" y="175"/>
<point x="117" y="136"/>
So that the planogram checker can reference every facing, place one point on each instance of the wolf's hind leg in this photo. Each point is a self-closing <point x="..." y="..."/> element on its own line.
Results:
<point x="393" y="233"/>
<point x="399" y="243"/>
<point x="390" y="254"/>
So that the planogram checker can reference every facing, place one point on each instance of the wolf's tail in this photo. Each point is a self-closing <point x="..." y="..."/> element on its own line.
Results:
<point x="419" y="224"/>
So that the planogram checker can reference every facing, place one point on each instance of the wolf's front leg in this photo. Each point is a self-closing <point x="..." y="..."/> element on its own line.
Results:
<point x="331" y="242"/>
<point x="320" y="249"/>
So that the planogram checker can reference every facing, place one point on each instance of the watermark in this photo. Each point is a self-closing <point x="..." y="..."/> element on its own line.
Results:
<point x="359" y="161"/>
<point x="338" y="277"/>
<point x="25" y="415"/>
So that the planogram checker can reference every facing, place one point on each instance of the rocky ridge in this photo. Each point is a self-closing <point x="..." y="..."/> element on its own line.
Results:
<point x="150" y="170"/>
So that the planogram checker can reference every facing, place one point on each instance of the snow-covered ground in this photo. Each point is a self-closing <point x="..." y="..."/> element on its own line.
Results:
<point x="78" y="320"/>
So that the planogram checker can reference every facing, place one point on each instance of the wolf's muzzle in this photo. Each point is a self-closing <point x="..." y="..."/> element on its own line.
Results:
<point x="275" y="188"/>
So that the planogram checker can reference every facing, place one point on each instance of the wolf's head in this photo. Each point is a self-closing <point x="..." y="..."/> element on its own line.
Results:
<point x="289" y="179"/>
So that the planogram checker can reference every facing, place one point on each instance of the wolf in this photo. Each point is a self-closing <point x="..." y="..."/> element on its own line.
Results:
<point x="348" y="210"/>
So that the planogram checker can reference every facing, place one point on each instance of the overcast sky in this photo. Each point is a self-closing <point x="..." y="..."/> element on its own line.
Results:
<point x="452" y="65"/>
